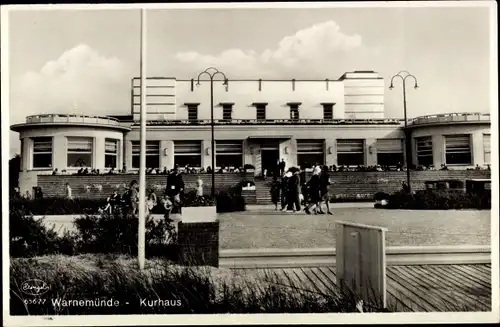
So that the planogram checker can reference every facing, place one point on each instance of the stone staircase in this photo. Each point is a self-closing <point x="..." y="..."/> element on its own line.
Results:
<point x="262" y="191"/>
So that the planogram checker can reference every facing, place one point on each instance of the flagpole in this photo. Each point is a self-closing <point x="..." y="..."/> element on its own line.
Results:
<point x="142" y="164"/>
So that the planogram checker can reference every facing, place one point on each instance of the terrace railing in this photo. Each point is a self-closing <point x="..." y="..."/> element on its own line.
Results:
<point x="57" y="118"/>
<point x="450" y="118"/>
<point x="277" y="122"/>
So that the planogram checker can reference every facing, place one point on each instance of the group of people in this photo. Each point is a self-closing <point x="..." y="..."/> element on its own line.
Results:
<point x="294" y="193"/>
<point x="171" y="200"/>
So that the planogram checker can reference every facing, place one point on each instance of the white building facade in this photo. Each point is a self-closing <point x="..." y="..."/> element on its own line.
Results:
<point x="256" y="122"/>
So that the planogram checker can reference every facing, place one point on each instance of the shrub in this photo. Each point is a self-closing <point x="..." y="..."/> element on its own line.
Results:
<point x="106" y="233"/>
<point x="231" y="201"/>
<point x="191" y="199"/>
<point x="379" y="196"/>
<point x="29" y="236"/>
<point x="118" y="233"/>
<point x="438" y="200"/>
<point x="57" y="206"/>
<point x="244" y="183"/>
<point x="248" y="166"/>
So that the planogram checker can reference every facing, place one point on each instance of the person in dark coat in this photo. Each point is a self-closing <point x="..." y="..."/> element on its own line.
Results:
<point x="275" y="192"/>
<point x="175" y="189"/>
<point x="314" y="191"/>
<point x="281" y="166"/>
<point x="284" y="191"/>
<point x="324" y="182"/>
<point x="294" y="192"/>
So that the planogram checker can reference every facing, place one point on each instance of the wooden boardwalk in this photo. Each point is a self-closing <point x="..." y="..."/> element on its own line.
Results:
<point x="415" y="288"/>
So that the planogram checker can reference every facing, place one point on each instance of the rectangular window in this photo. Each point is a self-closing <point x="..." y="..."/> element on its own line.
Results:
<point x="310" y="153"/>
<point x="294" y="112"/>
<point x="350" y="152"/>
<point x="80" y="151"/>
<point x="328" y="111"/>
<point x="229" y="153"/>
<point x="192" y="112"/>
<point x="187" y="153"/>
<point x="42" y="152"/>
<point x="261" y="111"/>
<point x="390" y="152"/>
<point x="424" y="151"/>
<point x="487" y="148"/>
<point x="227" y="111"/>
<point x="110" y="153"/>
<point x="458" y="150"/>
<point x="152" y="154"/>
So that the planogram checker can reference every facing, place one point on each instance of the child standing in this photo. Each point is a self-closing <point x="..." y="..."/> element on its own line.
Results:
<point x="275" y="192"/>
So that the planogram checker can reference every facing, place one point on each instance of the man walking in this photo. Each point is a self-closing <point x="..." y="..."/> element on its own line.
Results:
<point x="323" y="189"/>
<point x="294" y="192"/>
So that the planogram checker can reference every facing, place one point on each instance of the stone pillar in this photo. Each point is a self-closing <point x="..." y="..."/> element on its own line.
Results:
<point x="120" y="155"/>
<point x="166" y="154"/>
<point x="99" y="153"/>
<point x="477" y="148"/>
<point x="438" y="150"/>
<point x="26" y="156"/>
<point x="370" y="152"/>
<point x="59" y="152"/>
<point x="128" y="155"/>
<point x="330" y="152"/>
<point x="247" y="154"/>
<point x="199" y="243"/>
<point x="413" y="151"/>
<point x="288" y="151"/>
<point x="257" y="158"/>
<point x="206" y="156"/>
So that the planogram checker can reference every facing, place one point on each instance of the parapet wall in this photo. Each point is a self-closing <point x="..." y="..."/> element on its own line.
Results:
<point x="346" y="185"/>
<point x="101" y="186"/>
<point x="357" y="185"/>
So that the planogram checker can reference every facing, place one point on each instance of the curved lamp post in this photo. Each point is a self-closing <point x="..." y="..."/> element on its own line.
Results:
<point x="404" y="75"/>
<point x="212" y="72"/>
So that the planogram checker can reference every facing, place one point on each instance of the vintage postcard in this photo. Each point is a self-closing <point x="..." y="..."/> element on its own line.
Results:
<point x="243" y="163"/>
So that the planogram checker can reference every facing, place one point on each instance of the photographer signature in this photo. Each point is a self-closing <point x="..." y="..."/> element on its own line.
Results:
<point x="34" y="287"/>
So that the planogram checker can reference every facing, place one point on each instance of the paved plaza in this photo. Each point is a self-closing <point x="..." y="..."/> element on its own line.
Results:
<point x="262" y="227"/>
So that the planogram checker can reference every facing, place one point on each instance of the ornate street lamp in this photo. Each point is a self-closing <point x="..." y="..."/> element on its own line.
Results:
<point x="404" y="75"/>
<point x="212" y="72"/>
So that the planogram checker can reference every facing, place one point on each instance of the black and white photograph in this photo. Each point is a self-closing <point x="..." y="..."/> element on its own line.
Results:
<point x="236" y="163"/>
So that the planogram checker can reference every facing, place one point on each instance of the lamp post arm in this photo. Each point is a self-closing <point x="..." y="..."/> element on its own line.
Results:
<point x="200" y="74"/>
<point x="404" y="72"/>
<point x="221" y="73"/>
<point x="414" y="79"/>
<point x="397" y="75"/>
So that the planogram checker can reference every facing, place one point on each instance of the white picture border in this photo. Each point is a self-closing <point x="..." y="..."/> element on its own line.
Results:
<point x="370" y="318"/>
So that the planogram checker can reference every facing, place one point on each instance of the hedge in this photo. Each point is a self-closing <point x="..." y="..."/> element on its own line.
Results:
<point x="435" y="200"/>
<point x="116" y="233"/>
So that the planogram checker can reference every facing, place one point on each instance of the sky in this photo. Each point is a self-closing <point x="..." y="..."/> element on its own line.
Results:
<point x="62" y="59"/>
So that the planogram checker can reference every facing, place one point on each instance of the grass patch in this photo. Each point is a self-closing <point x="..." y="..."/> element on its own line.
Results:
<point x="183" y="290"/>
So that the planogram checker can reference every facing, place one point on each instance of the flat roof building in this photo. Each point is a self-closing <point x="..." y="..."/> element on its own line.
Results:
<point x="257" y="122"/>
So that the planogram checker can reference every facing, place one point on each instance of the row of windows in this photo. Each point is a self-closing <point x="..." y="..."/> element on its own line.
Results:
<point x="260" y="110"/>
<point x="309" y="152"/>
<point x="458" y="150"/>
<point x="79" y="152"/>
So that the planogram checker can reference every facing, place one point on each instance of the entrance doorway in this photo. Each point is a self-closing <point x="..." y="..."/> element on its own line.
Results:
<point x="270" y="161"/>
